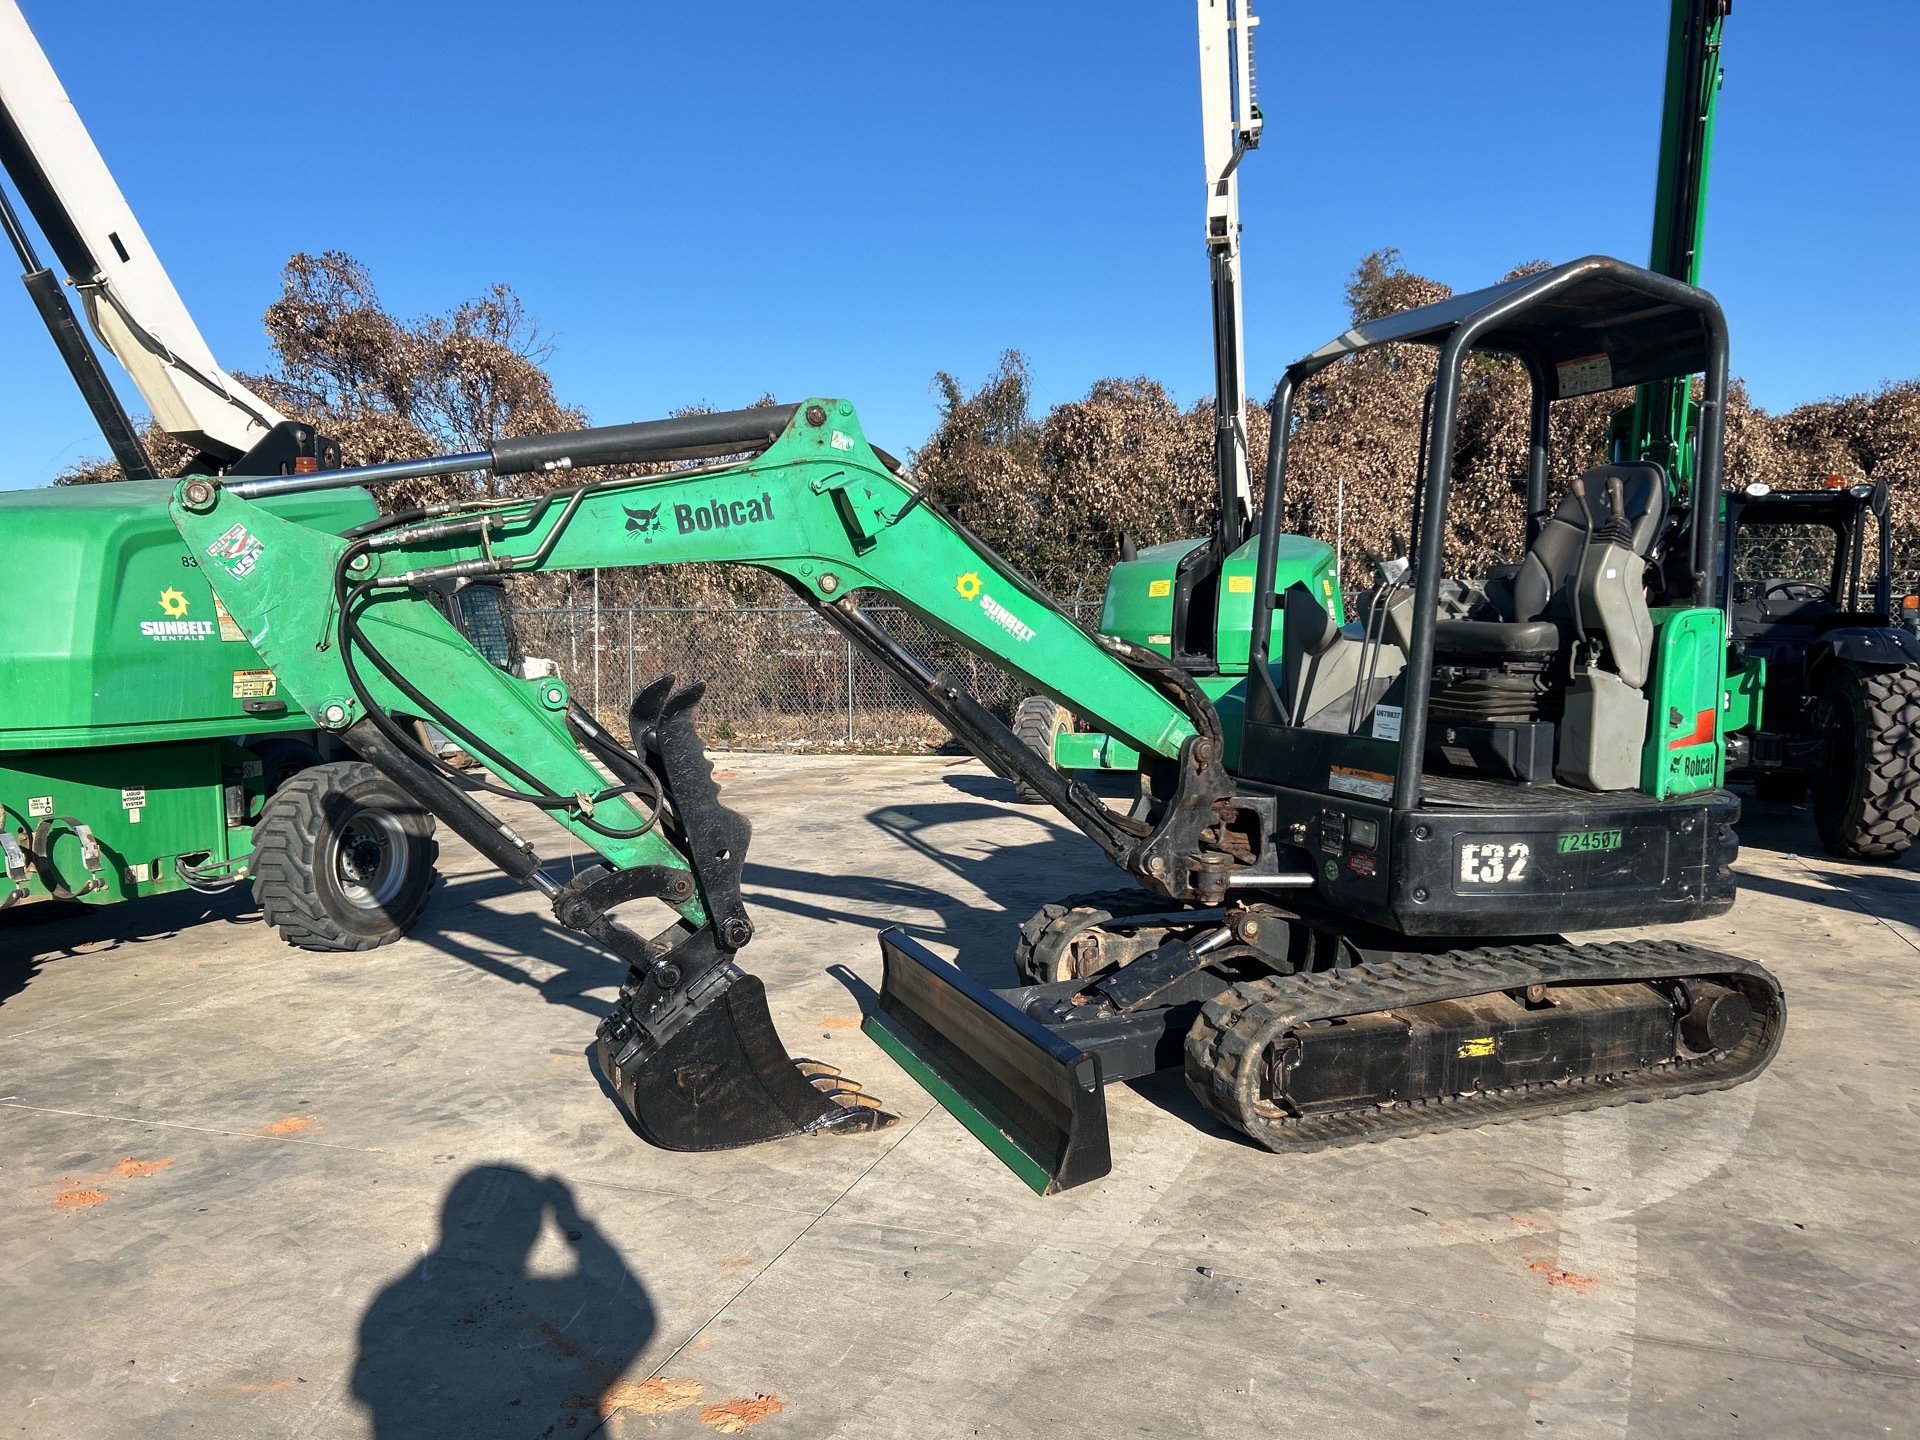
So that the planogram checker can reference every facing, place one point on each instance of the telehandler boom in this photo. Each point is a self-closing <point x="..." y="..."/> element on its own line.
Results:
<point x="1346" y="935"/>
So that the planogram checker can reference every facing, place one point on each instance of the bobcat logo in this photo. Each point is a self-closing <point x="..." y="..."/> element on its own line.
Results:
<point x="644" y="523"/>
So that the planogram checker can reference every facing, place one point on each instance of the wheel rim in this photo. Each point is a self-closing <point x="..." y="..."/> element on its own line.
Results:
<point x="370" y="860"/>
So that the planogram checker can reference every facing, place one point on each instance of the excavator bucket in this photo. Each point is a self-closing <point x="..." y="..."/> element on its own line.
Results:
<point x="689" y="1047"/>
<point x="722" y="1079"/>
<point x="1035" y="1100"/>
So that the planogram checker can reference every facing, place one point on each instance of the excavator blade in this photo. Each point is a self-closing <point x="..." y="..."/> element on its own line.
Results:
<point x="720" y="1078"/>
<point x="1030" y="1097"/>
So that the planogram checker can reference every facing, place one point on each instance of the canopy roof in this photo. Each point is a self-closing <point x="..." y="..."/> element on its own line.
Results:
<point x="1591" y="324"/>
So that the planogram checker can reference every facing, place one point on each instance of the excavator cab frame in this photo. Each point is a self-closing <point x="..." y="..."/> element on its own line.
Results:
<point x="1577" y="329"/>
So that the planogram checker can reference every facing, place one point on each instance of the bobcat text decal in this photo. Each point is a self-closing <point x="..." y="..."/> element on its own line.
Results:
<point x="714" y="515"/>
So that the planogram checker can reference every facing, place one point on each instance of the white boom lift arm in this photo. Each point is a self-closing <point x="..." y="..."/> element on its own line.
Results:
<point x="128" y="299"/>
<point x="1231" y="122"/>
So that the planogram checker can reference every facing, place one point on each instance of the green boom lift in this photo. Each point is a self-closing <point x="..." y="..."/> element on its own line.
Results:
<point x="145" y="746"/>
<point x="1823" y="687"/>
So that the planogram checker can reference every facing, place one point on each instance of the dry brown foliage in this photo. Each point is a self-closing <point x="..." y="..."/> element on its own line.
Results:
<point x="1056" y="493"/>
<point x="392" y="389"/>
<point x="388" y="389"/>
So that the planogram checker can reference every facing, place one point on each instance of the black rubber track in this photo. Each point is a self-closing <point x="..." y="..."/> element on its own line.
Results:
<point x="1036" y="720"/>
<point x="1868" y="807"/>
<point x="1231" y="1037"/>
<point x="296" y="824"/>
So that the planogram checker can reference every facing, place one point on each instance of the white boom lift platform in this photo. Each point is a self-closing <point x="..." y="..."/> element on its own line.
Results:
<point x="1231" y="125"/>
<point x="124" y="290"/>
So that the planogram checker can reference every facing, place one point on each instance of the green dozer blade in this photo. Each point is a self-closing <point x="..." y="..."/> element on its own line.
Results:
<point x="1036" y="1101"/>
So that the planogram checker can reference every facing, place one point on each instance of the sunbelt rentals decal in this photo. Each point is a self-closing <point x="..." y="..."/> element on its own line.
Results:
<point x="970" y="587"/>
<point x="176" y="626"/>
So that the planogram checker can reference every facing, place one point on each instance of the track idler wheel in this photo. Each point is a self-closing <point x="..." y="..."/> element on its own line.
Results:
<point x="716" y="1077"/>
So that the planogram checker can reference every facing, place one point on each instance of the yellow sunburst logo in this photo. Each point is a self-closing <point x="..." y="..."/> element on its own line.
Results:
<point x="968" y="585"/>
<point x="174" y="603"/>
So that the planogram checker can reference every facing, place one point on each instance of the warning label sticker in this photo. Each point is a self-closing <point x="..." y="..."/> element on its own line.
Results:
<point x="254" y="684"/>
<point x="229" y="627"/>
<point x="40" y="806"/>
<point x="1586" y="375"/>
<point x="1369" y="783"/>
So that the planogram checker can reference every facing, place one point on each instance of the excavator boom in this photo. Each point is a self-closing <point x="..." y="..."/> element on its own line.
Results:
<point x="349" y="626"/>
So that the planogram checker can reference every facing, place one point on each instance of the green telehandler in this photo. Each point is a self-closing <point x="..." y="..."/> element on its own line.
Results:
<point x="1348" y="930"/>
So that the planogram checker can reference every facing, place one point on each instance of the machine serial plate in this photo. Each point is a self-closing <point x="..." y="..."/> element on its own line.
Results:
<point x="1588" y="840"/>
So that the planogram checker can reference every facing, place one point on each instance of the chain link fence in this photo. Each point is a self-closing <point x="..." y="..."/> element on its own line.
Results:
<point x="777" y="677"/>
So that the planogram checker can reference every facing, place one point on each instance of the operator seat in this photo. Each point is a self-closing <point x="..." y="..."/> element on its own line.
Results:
<point x="1533" y="612"/>
<point x="1332" y="676"/>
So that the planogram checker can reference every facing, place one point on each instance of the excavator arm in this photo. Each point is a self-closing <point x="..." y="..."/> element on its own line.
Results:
<point x="349" y="626"/>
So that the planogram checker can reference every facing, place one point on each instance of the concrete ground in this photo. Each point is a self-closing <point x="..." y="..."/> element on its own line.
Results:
<point x="253" y="1191"/>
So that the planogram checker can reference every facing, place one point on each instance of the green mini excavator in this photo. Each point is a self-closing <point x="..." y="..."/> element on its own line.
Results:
<point x="1346" y="888"/>
<point x="1348" y="930"/>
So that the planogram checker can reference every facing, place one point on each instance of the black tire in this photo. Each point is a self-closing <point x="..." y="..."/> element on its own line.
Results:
<point x="1868" y="807"/>
<point x="281" y="760"/>
<point x="1053" y="944"/>
<point x="1036" y="721"/>
<point x="342" y="859"/>
<point x="1780" y="788"/>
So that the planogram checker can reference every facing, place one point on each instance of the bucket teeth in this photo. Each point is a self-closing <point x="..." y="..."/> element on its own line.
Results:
<point x="835" y="1086"/>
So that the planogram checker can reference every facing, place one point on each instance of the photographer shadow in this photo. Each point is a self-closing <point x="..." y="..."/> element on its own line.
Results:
<point x="479" y="1338"/>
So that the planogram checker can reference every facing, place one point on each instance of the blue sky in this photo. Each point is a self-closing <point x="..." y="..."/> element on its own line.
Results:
<point x="703" y="203"/>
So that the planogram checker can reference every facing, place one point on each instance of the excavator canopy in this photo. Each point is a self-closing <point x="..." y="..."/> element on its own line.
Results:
<point x="1588" y="325"/>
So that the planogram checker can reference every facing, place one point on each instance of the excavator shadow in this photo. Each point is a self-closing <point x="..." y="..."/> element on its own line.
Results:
<point x="1167" y="1092"/>
<point x="461" y="912"/>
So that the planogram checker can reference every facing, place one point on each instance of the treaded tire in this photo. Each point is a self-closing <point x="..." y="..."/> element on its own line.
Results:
<point x="1036" y="721"/>
<point x="1868" y="807"/>
<point x="342" y="859"/>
